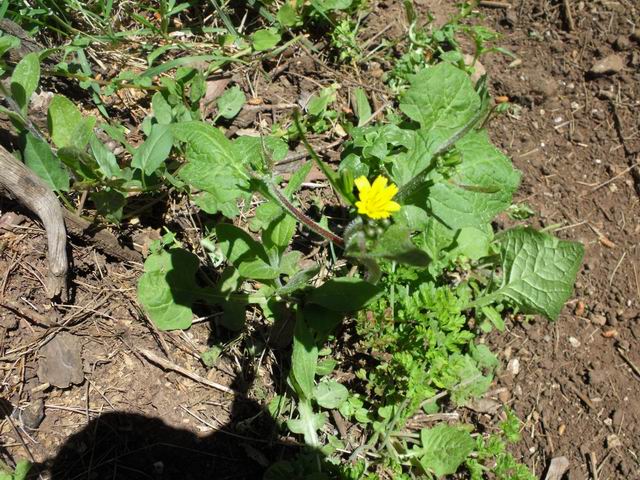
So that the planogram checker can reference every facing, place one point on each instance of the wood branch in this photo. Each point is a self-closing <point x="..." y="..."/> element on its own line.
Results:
<point x="26" y="187"/>
<point x="98" y="236"/>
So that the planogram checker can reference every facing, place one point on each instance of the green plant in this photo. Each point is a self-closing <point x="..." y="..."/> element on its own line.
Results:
<point x="451" y="182"/>
<point x="20" y="471"/>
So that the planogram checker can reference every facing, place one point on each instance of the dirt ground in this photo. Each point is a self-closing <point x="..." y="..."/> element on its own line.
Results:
<point x="574" y="81"/>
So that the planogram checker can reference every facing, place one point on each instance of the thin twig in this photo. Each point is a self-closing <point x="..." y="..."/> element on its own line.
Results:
<point x="166" y="364"/>
<point x="494" y="4"/>
<point x="633" y="366"/>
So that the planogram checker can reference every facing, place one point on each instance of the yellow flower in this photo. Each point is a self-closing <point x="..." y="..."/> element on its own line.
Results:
<point x="375" y="200"/>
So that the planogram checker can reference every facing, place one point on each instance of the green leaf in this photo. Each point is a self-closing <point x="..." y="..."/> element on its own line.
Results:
<point x="279" y="232"/>
<point x="265" y="39"/>
<point x="168" y="288"/>
<point x="344" y="294"/>
<point x="22" y="470"/>
<point x="234" y="311"/>
<point x="441" y="99"/>
<point x="444" y="448"/>
<point x="7" y="42"/>
<point x="67" y="126"/>
<point x="39" y="158"/>
<point x="154" y="151"/>
<point x="539" y="270"/>
<point x="308" y="424"/>
<point x="231" y="102"/>
<point x="304" y="359"/>
<point x="330" y="394"/>
<point x="459" y="202"/>
<point x="362" y="107"/>
<point x="287" y="16"/>
<point x="25" y="78"/>
<point x="213" y="167"/>
<point x="161" y="109"/>
<point x="298" y="281"/>
<point x="109" y="203"/>
<point x="395" y="244"/>
<point x="244" y="253"/>
<point x="106" y="160"/>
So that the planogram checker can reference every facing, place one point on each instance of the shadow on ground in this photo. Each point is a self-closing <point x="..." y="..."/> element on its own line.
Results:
<point x="131" y="446"/>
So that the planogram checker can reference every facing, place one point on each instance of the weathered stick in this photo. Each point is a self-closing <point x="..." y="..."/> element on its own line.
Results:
<point x="26" y="187"/>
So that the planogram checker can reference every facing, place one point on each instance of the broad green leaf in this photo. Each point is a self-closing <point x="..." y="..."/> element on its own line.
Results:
<point x="168" y="288"/>
<point x="290" y="262"/>
<point x="67" y="126"/>
<point x="7" y="42"/>
<point x="444" y="448"/>
<point x="321" y="319"/>
<point x="234" y="315"/>
<point x="106" y="160"/>
<point x="82" y="164"/>
<point x="25" y="79"/>
<point x="362" y="107"/>
<point x="304" y="359"/>
<point x="539" y="270"/>
<point x="395" y="244"/>
<point x="474" y="242"/>
<point x="213" y="167"/>
<point x="344" y="294"/>
<point x="244" y="253"/>
<point x="460" y="201"/>
<point x="441" y="99"/>
<point x="22" y="470"/>
<point x="39" y="158"/>
<point x="109" y="203"/>
<point x="161" y="109"/>
<point x="308" y="424"/>
<point x="265" y="39"/>
<point x="279" y="232"/>
<point x="287" y="16"/>
<point x="231" y="102"/>
<point x="154" y="151"/>
<point x="298" y="281"/>
<point x="330" y="394"/>
<point x="329" y="5"/>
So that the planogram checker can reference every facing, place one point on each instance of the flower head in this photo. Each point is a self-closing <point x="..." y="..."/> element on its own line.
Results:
<point x="375" y="200"/>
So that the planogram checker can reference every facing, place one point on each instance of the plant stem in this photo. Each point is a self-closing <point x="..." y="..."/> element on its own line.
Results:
<point x="301" y="217"/>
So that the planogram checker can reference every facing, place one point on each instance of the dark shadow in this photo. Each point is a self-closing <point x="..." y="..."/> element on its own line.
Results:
<point x="132" y="446"/>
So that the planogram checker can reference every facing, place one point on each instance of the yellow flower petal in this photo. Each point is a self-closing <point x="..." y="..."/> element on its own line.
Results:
<point x="362" y="183"/>
<point x="375" y="199"/>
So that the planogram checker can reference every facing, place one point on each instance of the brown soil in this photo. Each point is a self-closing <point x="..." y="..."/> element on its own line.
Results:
<point x="575" y="137"/>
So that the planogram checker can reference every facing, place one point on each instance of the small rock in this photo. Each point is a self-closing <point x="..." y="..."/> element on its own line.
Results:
<point x="613" y="441"/>
<point x="478" y="68"/>
<point x="598" y="319"/>
<point x="517" y="391"/>
<point x="483" y="405"/>
<point x="610" y="64"/>
<point x="580" y="308"/>
<point x="622" y="42"/>
<point x="513" y="367"/>
<point x="557" y="468"/>
<point x="60" y="362"/>
<point x="33" y="414"/>
<point x="575" y="343"/>
<point x="636" y="35"/>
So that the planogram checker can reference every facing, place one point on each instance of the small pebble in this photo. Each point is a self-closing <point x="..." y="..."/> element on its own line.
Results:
<point x="598" y="319"/>
<point x="513" y="367"/>
<point x="609" y="64"/>
<point x="613" y="441"/>
<point x="575" y="343"/>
